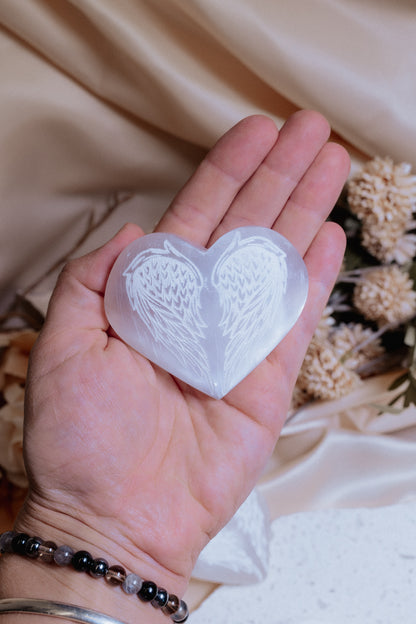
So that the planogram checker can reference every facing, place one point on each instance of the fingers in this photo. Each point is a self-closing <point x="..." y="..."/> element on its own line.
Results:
<point x="266" y="193"/>
<point x="200" y="206"/>
<point x="257" y="176"/>
<point x="276" y="376"/>
<point x="323" y="260"/>
<point x="314" y="197"/>
<point x="77" y="302"/>
<point x="253" y="175"/>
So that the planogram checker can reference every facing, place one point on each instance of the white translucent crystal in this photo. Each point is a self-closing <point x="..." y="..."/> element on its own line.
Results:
<point x="207" y="316"/>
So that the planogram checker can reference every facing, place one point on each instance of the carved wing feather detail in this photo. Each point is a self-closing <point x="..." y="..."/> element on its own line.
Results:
<point x="164" y="288"/>
<point x="250" y="287"/>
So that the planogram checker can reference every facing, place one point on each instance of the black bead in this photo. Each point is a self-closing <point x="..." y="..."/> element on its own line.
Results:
<point x="81" y="561"/>
<point x="161" y="598"/>
<point x="19" y="543"/>
<point x="147" y="591"/>
<point x="99" y="567"/>
<point x="32" y="547"/>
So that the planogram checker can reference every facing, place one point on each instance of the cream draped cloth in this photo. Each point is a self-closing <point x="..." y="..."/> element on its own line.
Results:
<point x="100" y="99"/>
<point x="100" y="96"/>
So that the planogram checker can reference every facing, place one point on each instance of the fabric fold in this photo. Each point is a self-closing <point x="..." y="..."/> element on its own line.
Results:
<point x="239" y="553"/>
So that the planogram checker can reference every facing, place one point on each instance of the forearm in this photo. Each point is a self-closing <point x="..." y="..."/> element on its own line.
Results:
<point x="23" y="577"/>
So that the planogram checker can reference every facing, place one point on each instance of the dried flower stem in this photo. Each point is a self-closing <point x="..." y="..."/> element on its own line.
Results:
<point x="22" y="310"/>
<point x="355" y="274"/>
<point x="8" y="316"/>
<point x="342" y="308"/>
<point x="382" y="364"/>
<point x="382" y="330"/>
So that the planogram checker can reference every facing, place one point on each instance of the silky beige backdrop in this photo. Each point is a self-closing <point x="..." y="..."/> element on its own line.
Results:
<point x="100" y="97"/>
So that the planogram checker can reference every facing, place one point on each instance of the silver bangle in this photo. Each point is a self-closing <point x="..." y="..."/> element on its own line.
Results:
<point x="55" y="609"/>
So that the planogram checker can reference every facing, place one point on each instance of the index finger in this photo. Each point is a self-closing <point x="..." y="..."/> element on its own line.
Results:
<point x="204" y="200"/>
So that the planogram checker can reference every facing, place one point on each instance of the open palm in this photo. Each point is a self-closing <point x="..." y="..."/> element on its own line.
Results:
<point x="117" y="442"/>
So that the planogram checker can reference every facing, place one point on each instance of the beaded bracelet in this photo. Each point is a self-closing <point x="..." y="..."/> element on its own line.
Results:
<point x="82" y="561"/>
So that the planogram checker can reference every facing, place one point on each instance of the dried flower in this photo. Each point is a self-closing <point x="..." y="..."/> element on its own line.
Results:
<point x="389" y="243"/>
<point x="383" y="190"/>
<point x="385" y="295"/>
<point x="383" y="196"/>
<point x="355" y="344"/>
<point x="11" y="435"/>
<point x="16" y="347"/>
<point x="323" y="375"/>
<point x="325" y="324"/>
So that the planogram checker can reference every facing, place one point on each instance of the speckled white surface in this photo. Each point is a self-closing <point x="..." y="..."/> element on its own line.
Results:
<point x="349" y="566"/>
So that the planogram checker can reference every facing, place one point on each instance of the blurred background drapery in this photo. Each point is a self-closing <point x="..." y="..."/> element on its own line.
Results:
<point x="99" y="97"/>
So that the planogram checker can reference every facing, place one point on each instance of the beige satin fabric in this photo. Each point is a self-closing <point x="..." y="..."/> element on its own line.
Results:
<point x="98" y="97"/>
<point x="344" y="453"/>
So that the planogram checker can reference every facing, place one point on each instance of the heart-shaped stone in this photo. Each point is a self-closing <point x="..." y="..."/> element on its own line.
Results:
<point x="207" y="316"/>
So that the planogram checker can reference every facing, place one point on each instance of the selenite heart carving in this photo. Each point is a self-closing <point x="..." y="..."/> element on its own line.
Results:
<point x="207" y="316"/>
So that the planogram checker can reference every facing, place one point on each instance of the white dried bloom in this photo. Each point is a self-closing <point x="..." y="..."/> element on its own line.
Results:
<point x="346" y="340"/>
<point x="389" y="244"/>
<point x="325" y="324"/>
<point x="383" y="190"/>
<point x="322" y="375"/>
<point x="385" y="295"/>
<point x="383" y="196"/>
<point x="405" y="249"/>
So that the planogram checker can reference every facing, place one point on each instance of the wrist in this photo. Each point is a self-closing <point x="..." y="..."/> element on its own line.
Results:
<point x="22" y="577"/>
<point x="101" y="537"/>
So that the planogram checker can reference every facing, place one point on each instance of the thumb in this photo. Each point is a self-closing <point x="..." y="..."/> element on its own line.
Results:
<point x="77" y="300"/>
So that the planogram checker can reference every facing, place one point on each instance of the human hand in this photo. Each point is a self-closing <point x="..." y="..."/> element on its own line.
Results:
<point x="128" y="458"/>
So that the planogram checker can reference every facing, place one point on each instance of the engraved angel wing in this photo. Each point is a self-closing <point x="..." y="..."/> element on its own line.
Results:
<point x="251" y="281"/>
<point x="164" y="288"/>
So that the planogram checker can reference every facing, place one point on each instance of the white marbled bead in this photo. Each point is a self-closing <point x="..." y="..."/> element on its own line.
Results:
<point x="132" y="584"/>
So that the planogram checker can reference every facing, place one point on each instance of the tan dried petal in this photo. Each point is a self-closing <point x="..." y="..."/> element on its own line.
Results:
<point x="13" y="367"/>
<point x="11" y="438"/>
<point x="385" y="295"/>
<point x="14" y="394"/>
<point x="16" y="348"/>
<point x="23" y="339"/>
<point x="322" y="374"/>
<point x="15" y="363"/>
